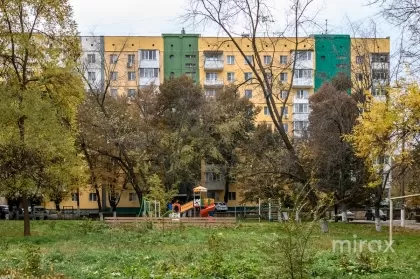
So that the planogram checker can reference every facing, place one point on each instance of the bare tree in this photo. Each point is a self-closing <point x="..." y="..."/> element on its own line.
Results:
<point x="258" y="19"/>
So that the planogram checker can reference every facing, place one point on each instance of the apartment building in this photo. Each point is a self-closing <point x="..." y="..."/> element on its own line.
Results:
<point x="127" y="63"/>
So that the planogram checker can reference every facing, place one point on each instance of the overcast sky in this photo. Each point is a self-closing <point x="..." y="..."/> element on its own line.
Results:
<point x="154" y="17"/>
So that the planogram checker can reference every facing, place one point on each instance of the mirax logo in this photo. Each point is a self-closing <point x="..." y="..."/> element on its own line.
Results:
<point x="359" y="245"/>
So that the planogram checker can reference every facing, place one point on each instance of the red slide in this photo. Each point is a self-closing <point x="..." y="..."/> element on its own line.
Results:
<point x="205" y="211"/>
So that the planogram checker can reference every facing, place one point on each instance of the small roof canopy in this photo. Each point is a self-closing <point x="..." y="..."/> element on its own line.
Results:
<point x="199" y="189"/>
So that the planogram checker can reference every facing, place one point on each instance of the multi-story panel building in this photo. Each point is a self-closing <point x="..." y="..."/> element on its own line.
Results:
<point x="129" y="63"/>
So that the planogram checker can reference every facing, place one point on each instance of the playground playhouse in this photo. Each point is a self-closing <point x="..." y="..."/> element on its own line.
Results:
<point x="203" y="205"/>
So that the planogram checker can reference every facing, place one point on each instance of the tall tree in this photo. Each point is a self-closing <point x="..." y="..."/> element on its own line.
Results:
<point x="225" y="15"/>
<point x="230" y="120"/>
<point x="333" y="115"/>
<point x="39" y="88"/>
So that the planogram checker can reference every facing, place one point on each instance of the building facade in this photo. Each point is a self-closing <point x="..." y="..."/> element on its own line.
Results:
<point x="128" y="63"/>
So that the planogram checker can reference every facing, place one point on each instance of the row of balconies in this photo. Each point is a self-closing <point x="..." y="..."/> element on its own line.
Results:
<point x="297" y="83"/>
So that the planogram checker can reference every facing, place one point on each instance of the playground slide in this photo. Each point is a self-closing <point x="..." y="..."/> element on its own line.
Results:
<point x="187" y="206"/>
<point x="205" y="212"/>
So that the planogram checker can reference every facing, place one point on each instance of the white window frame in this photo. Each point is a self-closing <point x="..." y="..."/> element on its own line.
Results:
<point x="91" y="195"/>
<point x="303" y="55"/>
<point x="211" y="76"/>
<point x="360" y="59"/>
<point x="249" y="59"/>
<point x="286" y="127"/>
<point x="302" y="125"/>
<point x="283" y="94"/>
<point x="74" y="197"/>
<point x="113" y="58"/>
<point x="148" y="54"/>
<point x="301" y="108"/>
<point x="302" y="94"/>
<point x="231" y="76"/>
<point x="248" y="93"/>
<point x="230" y="59"/>
<point x="131" y="92"/>
<point x="303" y="73"/>
<point x="266" y="111"/>
<point x="131" y="75"/>
<point x="283" y="57"/>
<point x="267" y="59"/>
<point x="131" y="58"/>
<point x="283" y="77"/>
<point x="149" y="72"/>
<point x="247" y="76"/>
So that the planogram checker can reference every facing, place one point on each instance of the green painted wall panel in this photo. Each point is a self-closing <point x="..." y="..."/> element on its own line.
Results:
<point x="332" y="56"/>
<point x="181" y="55"/>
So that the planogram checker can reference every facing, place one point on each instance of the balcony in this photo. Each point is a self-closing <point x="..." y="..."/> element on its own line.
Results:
<point x="384" y="66"/>
<point x="212" y="64"/>
<point x="303" y="82"/>
<point x="213" y="83"/>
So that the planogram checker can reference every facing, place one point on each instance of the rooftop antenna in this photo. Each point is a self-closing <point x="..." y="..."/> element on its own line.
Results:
<point x="326" y="26"/>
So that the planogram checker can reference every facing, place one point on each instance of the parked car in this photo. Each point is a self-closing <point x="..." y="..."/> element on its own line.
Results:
<point x="38" y="213"/>
<point x="339" y="216"/>
<point x="370" y="215"/>
<point x="4" y="209"/>
<point x="221" y="206"/>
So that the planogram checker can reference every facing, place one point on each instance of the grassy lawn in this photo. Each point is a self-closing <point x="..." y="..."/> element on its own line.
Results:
<point x="87" y="249"/>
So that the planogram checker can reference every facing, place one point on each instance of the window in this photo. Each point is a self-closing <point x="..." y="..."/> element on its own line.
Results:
<point x="190" y="65"/>
<point x="284" y="110"/>
<point x="303" y="56"/>
<point x="74" y="197"/>
<point x="114" y="92"/>
<point x="283" y="59"/>
<point x="211" y="76"/>
<point x="266" y="111"/>
<point x="91" y="76"/>
<point x="114" y="75"/>
<point x="232" y="196"/>
<point x="149" y="72"/>
<point x="301" y="108"/>
<point x="267" y="59"/>
<point x="148" y="54"/>
<point x="378" y="92"/>
<point x="132" y="197"/>
<point x="231" y="76"/>
<point x="300" y="125"/>
<point x="283" y="94"/>
<point x="377" y="75"/>
<point x="131" y="92"/>
<point x="213" y="176"/>
<point x="210" y="92"/>
<point x="303" y="73"/>
<point x="248" y="93"/>
<point x="92" y="197"/>
<point x="91" y="58"/>
<point x="286" y="127"/>
<point x="113" y="58"/>
<point x="190" y="56"/>
<point x="302" y="94"/>
<point x="190" y="74"/>
<point x="360" y="59"/>
<point x="130" y="59"/>
<point x="283" y="77"/>
<point x="359" y="76"/>
<point x="248" y="76"/>
<point x="231" y="59"/>
<point x="131" y="75"/>
<point x="380" y="57"/>
<point x="249" y="60"/>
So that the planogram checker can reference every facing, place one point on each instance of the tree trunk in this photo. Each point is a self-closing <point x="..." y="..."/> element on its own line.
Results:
<point x="140" y="197"/>
<point x="226" y="196"/>
<point x="98" y="198"/>
<point x="57" y="206"/>
<point x="378" y="224"/>
<point x="26" y="223"/>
